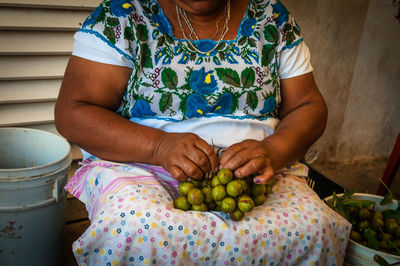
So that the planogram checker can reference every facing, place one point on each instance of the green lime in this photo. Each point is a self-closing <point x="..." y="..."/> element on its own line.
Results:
<point x="224" y="176"/>
<point x="234" y="188"/>
<point x="185" y="187"/>
<point x="195" y="196"/>
<point x="207" y="194"/>
<point x="218" y="192"/>
<point x="245" y="203"/>
<point x="228" y="204"/>
<point x="391" y="225"/>
<point x="243" y="182"/>
<point x="237" y="215"/>
<point x="362" y="224"/>
<point x="215" y="181"/>
<point x="258" y="189"/>
<point x="201" y="207"/>
<point x="259" y="199"/>
<point x="356" y="236"/>
<point x="364" y="214"/>
<point x="196" y="183"/>
<point x="182" y="203"/>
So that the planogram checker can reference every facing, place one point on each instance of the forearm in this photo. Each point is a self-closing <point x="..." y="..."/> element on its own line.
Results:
<point x="296" y="132"/>
<point x="107" y="135"/>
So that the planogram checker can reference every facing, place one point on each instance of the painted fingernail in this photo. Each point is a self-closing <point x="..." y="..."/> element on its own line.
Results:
<point x="257" y="180"/>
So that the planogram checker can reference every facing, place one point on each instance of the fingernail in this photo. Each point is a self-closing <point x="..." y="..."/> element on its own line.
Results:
<point x="257" y="180"/>
<point x="216" y="169"/>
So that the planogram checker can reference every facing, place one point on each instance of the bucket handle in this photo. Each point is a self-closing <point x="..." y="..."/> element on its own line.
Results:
<point x="35" y="205"/>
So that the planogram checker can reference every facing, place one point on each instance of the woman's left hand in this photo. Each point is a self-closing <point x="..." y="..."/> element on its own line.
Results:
<point x="249" y="157"/>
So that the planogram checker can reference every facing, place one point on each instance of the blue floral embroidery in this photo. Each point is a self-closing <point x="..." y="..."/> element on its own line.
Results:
<point x="121" y="8"/>
<point x="205" y="46"/>
<point x="247" y="27"/>
<point x="224" y="104"/>
<point x="203" y="82"/>
<point x="93" y="16"/>
<point x="280" y="13"/>
<point x="269" y="105"/>
<point x="196" y="106"/>
<point x="141" y="108"/>
<point x="161" y="23"/>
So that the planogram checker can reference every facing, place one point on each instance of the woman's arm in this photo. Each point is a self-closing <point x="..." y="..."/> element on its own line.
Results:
<point x="303" y="114"/>
<point x="84" y="114"/>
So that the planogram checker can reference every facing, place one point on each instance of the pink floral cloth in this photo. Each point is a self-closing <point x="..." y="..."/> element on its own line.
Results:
<point x="133" y="222"/>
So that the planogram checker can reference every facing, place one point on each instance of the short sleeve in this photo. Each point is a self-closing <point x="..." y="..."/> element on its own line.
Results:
<point x="295" y="61"/>
<point x="294" y="55"/>
<point x="106" y="36"/>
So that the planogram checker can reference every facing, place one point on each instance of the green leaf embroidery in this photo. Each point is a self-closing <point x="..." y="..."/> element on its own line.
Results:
<point x="169" y="78"/>
<point x="220" y="46"/>
<point x="247" y="77"/>
<point x="221" y="56"/>
<point x="271" y="34"/>
<point x="252" y="42"/>
<point x="228" y="76"/>
<point x="250" y="14"/>
<point x="252" y="99"/>
<point x="110" y="34"/>
<point x="128" y="34"/>
<point x="267" y="54"/>
<point x="290" y="37"/>
<point x="193" y="56"/>
<point x="160" y="41"/>
<point x="242" y="40"/>
<point x="145" y="56"/>
<point x="169" y="39"/>
<point x="165" y="102"/>
<point x="142" y="33"/>
<point x="112" y="21"/>
<point x="287" y="27"/>
<point x="154" y="9"/>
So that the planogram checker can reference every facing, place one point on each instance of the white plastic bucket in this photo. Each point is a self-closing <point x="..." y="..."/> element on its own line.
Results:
<point x="34" y="168"/>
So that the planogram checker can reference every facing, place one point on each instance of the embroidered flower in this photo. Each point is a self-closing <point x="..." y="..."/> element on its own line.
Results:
<point x="196" y="106"/>
<point x="121" y="8"/>
<point x="247" y="27"/>
<point x="269" y="105"/>
<point x="280" y="13"/>
<point x="161" y="23"/>
<point x="203" y="82"/>
<point x="205" y="46"/>
<point x="141" y="108"/>
<point x="224" y="104"/>
<point x="91" y="19"/>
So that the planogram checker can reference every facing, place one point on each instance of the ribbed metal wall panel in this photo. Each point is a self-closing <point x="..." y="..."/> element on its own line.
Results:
<point x="36" y="40"/>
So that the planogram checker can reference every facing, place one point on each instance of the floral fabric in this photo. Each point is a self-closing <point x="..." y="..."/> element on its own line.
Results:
<point x="133" y="222"/>
<point x="171" y="81"/>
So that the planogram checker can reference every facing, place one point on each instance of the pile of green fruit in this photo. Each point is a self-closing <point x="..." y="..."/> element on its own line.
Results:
<point x="371" y="228"/>
<point x="222" y="192"/>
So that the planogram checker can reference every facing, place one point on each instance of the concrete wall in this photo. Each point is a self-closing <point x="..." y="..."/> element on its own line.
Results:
<point x="355" y="49"/>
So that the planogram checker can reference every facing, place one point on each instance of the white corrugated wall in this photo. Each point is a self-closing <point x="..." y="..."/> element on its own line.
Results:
<point x="36" y="40"/>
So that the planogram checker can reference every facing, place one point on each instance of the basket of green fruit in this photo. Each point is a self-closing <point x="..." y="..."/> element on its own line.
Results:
<point x="222" y="192"/>
<point x="375" y="233"/>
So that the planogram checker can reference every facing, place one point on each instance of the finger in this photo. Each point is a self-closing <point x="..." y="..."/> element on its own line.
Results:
<point x="191" y="169"/>
<point x="265" y="177"/>
<point x="210" y="155"/>
<point x="230" y="152"/>
<point x="239" y="159"/>
<point x="253" y="166"/>
<point x="177" y="173"/>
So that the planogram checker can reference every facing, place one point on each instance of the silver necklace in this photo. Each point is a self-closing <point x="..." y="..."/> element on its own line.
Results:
<point x="181" y="12"/>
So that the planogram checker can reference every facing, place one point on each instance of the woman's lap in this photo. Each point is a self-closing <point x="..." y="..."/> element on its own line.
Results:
<point x="133" y="222"/>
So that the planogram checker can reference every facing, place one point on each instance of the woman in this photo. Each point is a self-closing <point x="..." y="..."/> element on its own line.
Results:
<point x="151" y="87"/>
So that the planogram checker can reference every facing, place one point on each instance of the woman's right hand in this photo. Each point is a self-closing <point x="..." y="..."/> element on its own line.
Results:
<point x="185" y="155"/>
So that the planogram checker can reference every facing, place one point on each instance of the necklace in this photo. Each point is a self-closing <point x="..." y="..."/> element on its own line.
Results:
<point x="180" y="12"/>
